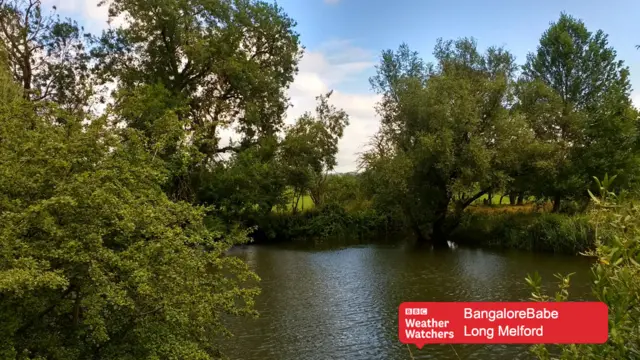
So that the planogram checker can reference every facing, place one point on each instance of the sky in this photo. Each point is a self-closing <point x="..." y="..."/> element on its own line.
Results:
<point x="344" y="38"/>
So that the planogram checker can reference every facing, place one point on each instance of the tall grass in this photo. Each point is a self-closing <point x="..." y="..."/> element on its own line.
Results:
<point x="545" y="232"/>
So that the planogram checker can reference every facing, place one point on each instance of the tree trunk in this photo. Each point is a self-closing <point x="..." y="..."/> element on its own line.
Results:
<point x="490" y="198"/>
<point x="296" y="200"/>
<point x="520" y="198"/>
<point x="556" y="203"/>
<point x="415" y="227"/>
<point x="501" y="197"/>
<point x="27" y="74"/>
<point x="440" y="233"/>
<point x="444" y="224"/>
<point x="512" y="199"/>
<point x="440" y="230"/>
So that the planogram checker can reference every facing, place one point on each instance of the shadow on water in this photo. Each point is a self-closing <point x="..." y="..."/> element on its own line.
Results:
<point x="326" y="300"/>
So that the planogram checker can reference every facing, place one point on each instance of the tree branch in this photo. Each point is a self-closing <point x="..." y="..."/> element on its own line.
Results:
<point x="475" y="197"/>
<point x="235" y="149"/>
<point x="45" y="312"/>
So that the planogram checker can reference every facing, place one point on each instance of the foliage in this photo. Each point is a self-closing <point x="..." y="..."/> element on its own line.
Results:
<point x="347" y="190"/>
<point x="46" y="55"/>
<point x="252" y="182"/>
<point x="329" y="222"/>
<point x="223" y="63"/>
<point x="464" y="127"/>
<point x="95" y="260"/>
<point x="616" y="280"/>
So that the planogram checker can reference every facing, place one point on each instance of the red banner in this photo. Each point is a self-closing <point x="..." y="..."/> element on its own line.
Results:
<point x="423" y="323"/>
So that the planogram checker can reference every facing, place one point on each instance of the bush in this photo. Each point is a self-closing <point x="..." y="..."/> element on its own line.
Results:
<point x="330" y="221"/>
<point x="547" y="232"/>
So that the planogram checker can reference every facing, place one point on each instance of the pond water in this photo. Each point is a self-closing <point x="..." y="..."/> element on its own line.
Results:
<point x="342" y="303"/>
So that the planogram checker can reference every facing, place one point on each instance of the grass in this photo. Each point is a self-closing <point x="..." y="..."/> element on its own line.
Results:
<point x="500" y="209"/>
<point x="305" y="203"/>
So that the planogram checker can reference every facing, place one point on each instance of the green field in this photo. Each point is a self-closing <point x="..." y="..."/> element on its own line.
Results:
<point x="305" y="203"/>
<point x="495" y="200"/>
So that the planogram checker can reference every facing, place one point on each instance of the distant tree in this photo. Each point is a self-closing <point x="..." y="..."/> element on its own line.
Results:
<point x="251" y="184"/>
<point x="344" y="189"/>
<point x="310" y="147"/>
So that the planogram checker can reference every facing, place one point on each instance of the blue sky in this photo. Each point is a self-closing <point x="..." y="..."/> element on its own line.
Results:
<point x="343" y="39"/>
<point x="378" y="24"/>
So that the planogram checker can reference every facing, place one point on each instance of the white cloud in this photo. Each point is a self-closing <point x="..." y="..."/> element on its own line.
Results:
<point x="635" y="99"/>
<point x="94" y="17"/>
<point x="327" y="68"/>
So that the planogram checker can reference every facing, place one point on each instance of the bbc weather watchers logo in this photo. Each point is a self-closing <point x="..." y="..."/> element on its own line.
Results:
<point x="416" y="311"/>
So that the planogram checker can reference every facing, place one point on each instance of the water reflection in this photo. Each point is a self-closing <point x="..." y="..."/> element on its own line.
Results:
<point x="342" y="304"/>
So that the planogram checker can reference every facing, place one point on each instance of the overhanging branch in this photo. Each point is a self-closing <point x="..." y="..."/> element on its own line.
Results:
<point x="475" y="197"/>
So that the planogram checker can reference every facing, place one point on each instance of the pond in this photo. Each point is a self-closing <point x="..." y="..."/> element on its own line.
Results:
<point x="342" y="303"/>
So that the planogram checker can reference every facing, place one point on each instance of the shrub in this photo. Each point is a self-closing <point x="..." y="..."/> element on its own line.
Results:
<point x="329" y="221"/>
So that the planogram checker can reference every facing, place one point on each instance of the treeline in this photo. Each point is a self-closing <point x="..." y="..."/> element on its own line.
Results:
<point x="474" y="123"/>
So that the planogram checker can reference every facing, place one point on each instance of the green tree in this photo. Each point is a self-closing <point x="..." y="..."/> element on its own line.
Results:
<point x="96" y="262"/>
<point x="251" y="184"/>
<point x="345" y="190"/>
<point x="450" y="131"/>
<point x="212" y="65"/>
<point x="223" y="64"/>
<point x="310" y="147"/>
<point x="576" y="97"/>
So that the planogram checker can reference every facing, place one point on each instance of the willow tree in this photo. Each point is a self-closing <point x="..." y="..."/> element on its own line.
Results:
<point x="450" y="129"/>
